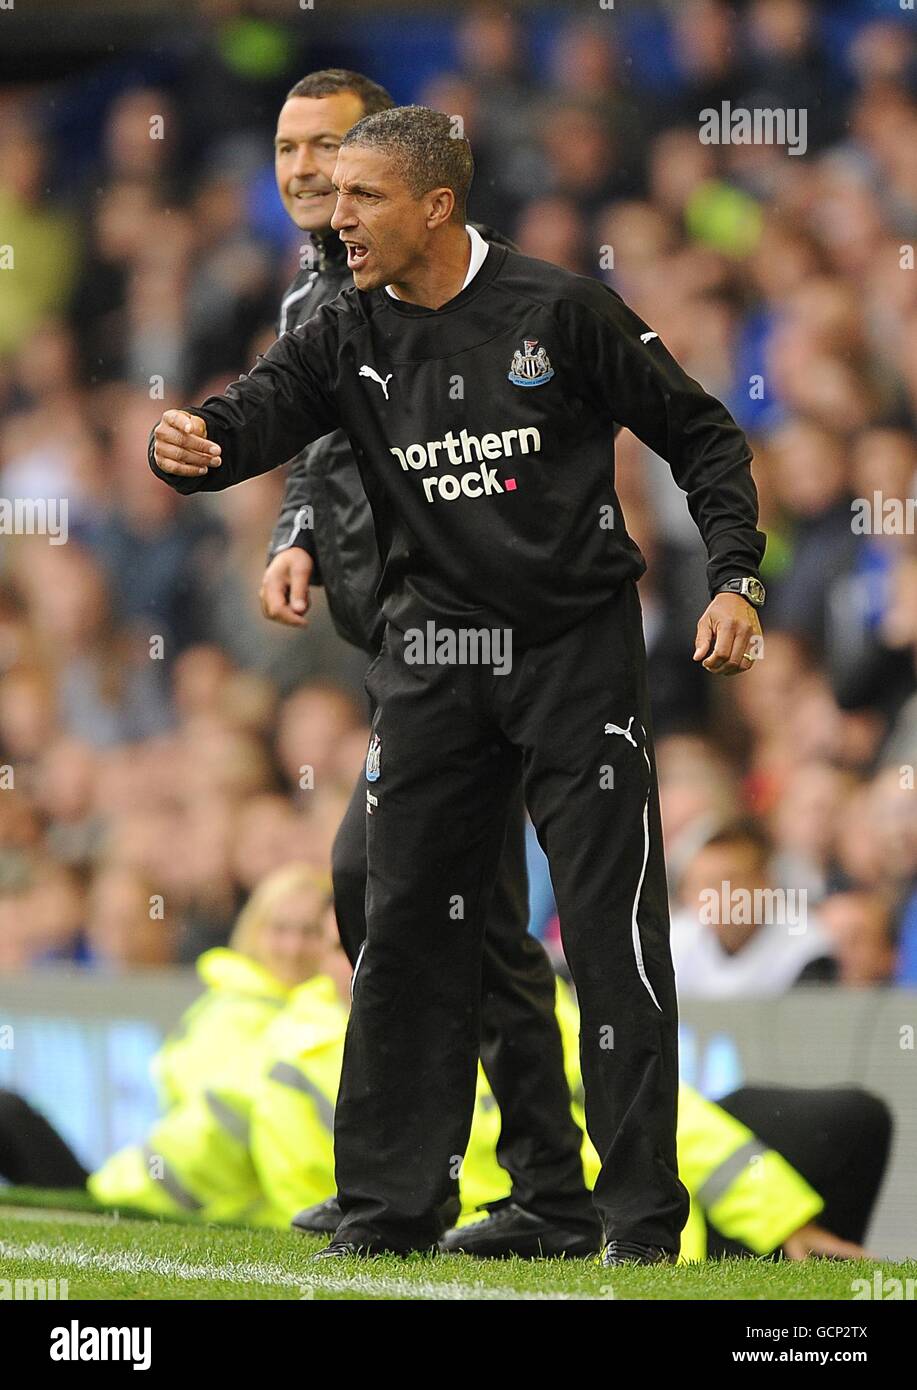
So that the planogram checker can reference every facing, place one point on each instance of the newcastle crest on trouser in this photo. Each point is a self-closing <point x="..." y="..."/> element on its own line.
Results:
<point x="531" y="366"/>
<point x="373" y="759"/>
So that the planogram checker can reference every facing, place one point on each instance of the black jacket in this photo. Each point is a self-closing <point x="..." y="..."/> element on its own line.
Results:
<point x="483" y="432"/>
<point x="324" y="508"/>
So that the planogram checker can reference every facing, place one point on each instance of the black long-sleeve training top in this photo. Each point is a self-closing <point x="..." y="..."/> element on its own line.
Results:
<point x="483" y="432"/>
<point x="324" y="510"/>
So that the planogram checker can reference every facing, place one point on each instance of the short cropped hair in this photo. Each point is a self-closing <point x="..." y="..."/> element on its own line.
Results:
<point x="329" y="81"/>
<point x="427" y="150"/>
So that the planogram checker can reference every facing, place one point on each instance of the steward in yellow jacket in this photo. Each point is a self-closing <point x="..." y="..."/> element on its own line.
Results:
<point x="197" y="1159"/>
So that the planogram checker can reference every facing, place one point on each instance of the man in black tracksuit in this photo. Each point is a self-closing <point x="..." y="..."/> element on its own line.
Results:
<point x="325" y="514"/>
<point x="478" y="389"/>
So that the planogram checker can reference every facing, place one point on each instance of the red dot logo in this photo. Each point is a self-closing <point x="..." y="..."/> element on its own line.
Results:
<point x="510" y="485"/>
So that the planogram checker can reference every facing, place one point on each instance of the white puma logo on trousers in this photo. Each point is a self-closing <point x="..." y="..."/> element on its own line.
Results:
<point x="625" y="733"/>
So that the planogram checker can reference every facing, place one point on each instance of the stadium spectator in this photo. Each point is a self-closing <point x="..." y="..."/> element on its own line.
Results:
<point x="736" y="936"/>
<point x="44" y="274"/>
<point x="858" y="926"/>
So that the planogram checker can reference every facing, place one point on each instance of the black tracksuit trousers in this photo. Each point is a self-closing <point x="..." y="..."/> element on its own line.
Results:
<point x="573" y="715"/>
<point x="521" y="1049"/>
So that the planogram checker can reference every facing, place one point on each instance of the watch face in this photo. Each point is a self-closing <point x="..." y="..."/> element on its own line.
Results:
<point x="754" y="590"/>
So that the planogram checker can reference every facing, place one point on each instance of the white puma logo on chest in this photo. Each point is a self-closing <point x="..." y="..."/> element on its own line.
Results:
<point x="374" y="375"/>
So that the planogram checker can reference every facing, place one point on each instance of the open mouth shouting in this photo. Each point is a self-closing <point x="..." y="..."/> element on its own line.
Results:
<point x="357" y="254"/>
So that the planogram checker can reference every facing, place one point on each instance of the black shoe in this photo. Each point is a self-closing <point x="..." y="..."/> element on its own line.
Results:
<point x="512" y="1230"/>
<point x="629" y="1252"/>
<point x="341" y="1248"/>
<point x="365" y="1244"/>
<point x="323" y="1219"/>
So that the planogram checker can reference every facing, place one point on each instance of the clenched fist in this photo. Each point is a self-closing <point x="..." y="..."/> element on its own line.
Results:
<point x="181" y="445"/>
<point x="729" y="638"/>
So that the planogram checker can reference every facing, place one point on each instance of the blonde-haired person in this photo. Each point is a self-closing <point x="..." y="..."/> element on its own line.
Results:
<point x="195" y="1159"/>
<point x="279" y="939"/>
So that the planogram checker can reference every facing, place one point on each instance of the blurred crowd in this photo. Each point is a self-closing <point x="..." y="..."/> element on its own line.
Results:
<point x="164" y="747"/>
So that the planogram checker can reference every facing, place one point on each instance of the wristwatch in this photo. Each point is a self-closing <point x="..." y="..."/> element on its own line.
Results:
<point x="749" y="588"/>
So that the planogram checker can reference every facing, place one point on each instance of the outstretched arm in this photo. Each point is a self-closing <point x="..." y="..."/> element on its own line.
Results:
<point x="261" y="420"/>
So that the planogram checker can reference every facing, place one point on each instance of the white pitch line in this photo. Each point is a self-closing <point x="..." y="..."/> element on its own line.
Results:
<point x="253" y="1272"/>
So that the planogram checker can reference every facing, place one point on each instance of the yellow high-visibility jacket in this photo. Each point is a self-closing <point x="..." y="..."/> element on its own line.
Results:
<point x="196" y="1160"/>
<point x="748" y="1191"/>
<point x="292" y="1131"/>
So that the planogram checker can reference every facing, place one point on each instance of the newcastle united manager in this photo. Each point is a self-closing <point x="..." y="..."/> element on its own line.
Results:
<point x="479" y="390"/>
<point x="325" y="535"/>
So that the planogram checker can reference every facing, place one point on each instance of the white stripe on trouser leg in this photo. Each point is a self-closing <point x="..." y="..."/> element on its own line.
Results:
<point x="638" y="949"/>
<point x="353" y="978"/>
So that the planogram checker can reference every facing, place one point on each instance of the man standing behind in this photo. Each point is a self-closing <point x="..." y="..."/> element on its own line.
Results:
<point x="495" y="512"/>
<point x="325" y="535"/>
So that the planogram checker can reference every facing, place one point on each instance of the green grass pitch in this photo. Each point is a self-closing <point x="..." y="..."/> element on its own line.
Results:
<point x="111" y="1257"/>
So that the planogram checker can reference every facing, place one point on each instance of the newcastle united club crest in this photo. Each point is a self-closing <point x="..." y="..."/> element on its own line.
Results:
<point x="531" y="366"/>
<point x="373" y="759"/>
